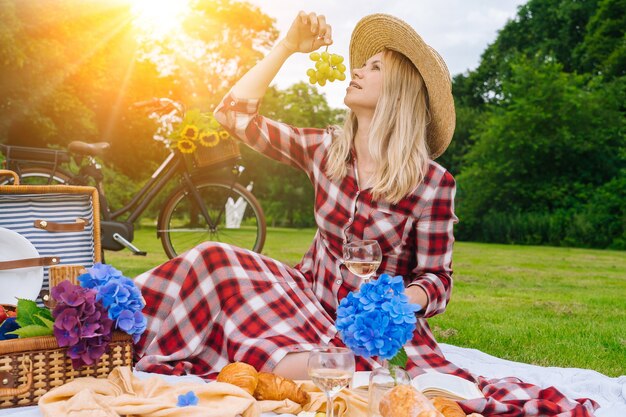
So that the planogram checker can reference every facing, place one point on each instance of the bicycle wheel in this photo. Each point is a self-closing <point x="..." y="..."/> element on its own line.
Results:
<point x="235" y="217"/>
<point x="40" y="176"/>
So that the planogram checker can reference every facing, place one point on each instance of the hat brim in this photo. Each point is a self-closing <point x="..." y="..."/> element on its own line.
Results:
<point x="376" y="32"/>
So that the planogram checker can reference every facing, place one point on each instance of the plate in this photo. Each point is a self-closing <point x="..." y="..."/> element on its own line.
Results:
<point x="21" y="282"/>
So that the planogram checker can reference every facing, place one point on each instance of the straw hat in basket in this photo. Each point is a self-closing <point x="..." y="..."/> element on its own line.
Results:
<point x="376" y="32"/>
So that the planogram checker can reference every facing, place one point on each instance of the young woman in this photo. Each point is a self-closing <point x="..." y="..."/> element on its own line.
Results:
<point x="373" y="179"/>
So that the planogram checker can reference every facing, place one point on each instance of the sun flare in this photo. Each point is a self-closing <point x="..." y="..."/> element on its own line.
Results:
<point x="159" y="18"/>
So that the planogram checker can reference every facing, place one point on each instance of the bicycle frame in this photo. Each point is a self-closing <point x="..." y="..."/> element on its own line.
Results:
<point x="140" y="201"/>
<point x="161" y="176"/>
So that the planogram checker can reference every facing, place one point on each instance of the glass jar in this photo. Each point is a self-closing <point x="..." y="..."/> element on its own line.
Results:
<point x="382" y="380"/>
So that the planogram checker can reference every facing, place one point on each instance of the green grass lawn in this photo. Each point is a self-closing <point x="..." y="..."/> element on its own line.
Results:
<point x="540" y="305"/>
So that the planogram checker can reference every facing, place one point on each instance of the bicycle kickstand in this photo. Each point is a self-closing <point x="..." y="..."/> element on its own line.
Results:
<point x="120" y="239"/>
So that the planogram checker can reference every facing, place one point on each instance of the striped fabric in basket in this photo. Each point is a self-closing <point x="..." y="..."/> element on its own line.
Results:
<point x="18" y="212"/>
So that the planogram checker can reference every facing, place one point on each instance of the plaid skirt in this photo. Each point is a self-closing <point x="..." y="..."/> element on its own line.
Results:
<point x="218" y="304"/>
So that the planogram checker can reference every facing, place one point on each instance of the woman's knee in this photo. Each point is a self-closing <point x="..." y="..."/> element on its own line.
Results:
<point x="293" y="366"/>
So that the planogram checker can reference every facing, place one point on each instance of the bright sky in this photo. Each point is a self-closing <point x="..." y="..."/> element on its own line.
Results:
<point x="459" y="30"/>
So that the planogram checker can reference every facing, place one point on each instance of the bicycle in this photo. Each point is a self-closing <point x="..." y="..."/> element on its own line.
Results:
<point x="202" y="206"/>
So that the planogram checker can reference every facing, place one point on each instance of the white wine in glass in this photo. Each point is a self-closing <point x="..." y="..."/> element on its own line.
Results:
<point x="362" y="258"/>
<point x="331" y="369"/>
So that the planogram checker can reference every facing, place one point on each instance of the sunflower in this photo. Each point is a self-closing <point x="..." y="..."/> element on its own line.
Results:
<point x="190" y="132"/>
<point x="186" y="146"/>
<point x="224" y="135"/>
<point x="209" y="139"/>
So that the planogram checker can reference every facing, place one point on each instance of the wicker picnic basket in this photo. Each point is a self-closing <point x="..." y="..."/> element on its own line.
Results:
<point x="224" y="153"/>
<point x="61" y="221"/>
<point x="30" y="367"/>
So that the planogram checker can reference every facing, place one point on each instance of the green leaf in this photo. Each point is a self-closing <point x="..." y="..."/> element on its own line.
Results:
<point x="42" y="317"/>
<point x="45" y="321"/>
<point x="400" y="359"/>
<point x="29" y="314"/>
<point x="32" y="331"/>
<point x="26" y="309"/>
<point x="46" y="313"/>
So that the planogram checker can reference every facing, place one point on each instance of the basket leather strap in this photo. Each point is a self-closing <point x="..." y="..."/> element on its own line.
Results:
<point x="54" y="227"/>
<point x="7" y="380"/>
<point x="29" y="262"/>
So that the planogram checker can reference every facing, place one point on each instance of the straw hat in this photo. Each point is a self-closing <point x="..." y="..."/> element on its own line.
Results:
<point x="378" y="31"/>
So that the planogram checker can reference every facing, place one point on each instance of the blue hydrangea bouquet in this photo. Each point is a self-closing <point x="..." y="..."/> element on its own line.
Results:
<point x="378" y="319"/>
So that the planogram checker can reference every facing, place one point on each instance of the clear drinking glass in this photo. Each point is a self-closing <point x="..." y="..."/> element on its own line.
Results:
<point x="362" y="258"/>
<point x="331" y="369"/>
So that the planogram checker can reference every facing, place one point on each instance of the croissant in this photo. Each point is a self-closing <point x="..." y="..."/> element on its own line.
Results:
<point x="275" y="387"/>
<point x="240" y="374"/>
<point x="406" y="401"/>
<point x="448" y="407"/>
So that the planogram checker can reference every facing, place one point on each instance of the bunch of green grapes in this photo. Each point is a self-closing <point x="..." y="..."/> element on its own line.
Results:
<point x="328" y="67"/>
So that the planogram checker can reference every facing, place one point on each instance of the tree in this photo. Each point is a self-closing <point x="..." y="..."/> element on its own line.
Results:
<point x="540" y="138"/>
<point x="71" y="70"/>
<point x="542" y="27"/>
<point x="551" y="140"/>
<point x="50" y="52"/>
<point x="469" y="109"/>
<point x="603" y="50"/>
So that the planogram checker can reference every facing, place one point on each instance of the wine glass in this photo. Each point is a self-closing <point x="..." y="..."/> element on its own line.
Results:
<point x="331" y="369"/>
<point x="362" y="258"/>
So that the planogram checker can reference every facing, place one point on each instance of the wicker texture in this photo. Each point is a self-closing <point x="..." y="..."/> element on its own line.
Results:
<point x="60" y="273"/>
<point x="226" y="151"/>
<point x="35" y="365"/>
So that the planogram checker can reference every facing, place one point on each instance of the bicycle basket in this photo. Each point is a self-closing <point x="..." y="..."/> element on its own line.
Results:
<point x="224" y="153"/>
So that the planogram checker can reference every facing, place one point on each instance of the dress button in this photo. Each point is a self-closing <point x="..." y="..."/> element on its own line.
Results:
<point x="232" y="103"/>
<point x="338" y="282"/>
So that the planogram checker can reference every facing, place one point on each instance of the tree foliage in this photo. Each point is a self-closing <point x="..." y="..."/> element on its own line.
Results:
<point x="603" y="50"/>
<point x="546" y="142"/>
<point x="72" y="69"/>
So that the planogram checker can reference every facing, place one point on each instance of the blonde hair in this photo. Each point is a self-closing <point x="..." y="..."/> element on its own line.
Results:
<point x="397" y="136"/>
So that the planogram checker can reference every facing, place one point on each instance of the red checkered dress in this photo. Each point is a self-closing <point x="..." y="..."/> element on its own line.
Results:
<point x="217" y="303"/>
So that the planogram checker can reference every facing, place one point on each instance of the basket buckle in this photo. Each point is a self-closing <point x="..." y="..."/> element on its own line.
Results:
<point x="7" y="380"/>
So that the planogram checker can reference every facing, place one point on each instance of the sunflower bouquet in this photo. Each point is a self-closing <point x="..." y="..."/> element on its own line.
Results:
<point x="197" y="129"/>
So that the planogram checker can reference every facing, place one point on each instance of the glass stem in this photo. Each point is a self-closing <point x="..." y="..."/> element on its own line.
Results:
<point x="330" y="412"/>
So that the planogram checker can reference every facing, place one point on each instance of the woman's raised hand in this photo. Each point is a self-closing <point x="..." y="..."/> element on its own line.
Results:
<point x="307" y="33"/>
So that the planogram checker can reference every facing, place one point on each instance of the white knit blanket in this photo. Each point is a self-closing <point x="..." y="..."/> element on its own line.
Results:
<point x="610" y="393"/>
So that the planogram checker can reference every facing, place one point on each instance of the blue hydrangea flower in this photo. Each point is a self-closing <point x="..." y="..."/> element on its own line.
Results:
<point x="185" y="400"/>
<point x="378" y="319"/>
<point x="120" y="297"/>
<point x="98" y="275"/>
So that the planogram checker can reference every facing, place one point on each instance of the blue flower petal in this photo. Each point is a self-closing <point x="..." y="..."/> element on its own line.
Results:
<point x="188" y="399"/>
